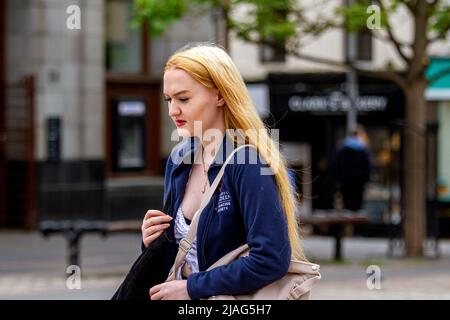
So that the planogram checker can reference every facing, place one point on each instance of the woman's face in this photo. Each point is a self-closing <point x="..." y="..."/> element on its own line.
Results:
<point x="189" y="101"/>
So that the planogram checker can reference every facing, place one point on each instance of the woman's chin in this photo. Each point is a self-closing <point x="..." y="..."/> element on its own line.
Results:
<point x="184" y="133"/>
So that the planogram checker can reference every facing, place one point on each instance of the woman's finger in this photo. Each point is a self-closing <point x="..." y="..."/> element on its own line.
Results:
<point x="154" y="235"/>
<point x="155" y="292"/>
<point x="150" y="239"/>
<point x="151" y="230"/>
<point x="153" y="213"/>
<point x="156" y="220"/>
<point x="157" y="296"/>
<point x="156" y="288"/>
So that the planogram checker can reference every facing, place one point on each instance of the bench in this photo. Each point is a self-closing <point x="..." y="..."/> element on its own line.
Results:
<point x="338" y="218"/>
<point x="74" y="230"/>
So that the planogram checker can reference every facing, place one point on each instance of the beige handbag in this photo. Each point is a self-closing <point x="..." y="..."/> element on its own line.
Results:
<point x="295" y="285"/>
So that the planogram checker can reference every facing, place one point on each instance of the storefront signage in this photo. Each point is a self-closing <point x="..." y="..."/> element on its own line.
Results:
<point x="336" y="102"/>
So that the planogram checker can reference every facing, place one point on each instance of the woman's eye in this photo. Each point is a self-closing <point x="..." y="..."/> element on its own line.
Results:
<point x="167" y="99"/>
<point x="184" y="99"/>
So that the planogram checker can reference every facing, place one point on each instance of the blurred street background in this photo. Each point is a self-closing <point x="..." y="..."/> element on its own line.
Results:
<point x="358" y="91"/>
<point x="35" y="268"/>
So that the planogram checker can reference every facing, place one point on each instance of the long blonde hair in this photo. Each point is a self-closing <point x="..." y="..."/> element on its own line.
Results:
<point x="212" y="67"/>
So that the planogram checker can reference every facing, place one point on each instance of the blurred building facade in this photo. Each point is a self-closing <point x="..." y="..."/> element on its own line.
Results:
<point x="86" y="132"/>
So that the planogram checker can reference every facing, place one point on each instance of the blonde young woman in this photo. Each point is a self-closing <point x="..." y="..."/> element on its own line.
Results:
<point x="206" y="93"/>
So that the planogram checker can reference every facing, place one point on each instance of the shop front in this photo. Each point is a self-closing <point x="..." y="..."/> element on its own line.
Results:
<point x="438" y="95"/>
<point x="310" y="112"/>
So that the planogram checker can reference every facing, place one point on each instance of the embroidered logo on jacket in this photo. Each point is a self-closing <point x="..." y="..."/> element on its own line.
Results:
<point x="224" y="201"/>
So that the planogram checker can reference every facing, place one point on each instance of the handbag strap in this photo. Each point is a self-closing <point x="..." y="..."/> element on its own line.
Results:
<point x="186" y="243"/>
<point x="296" y="266"/>
<point x="229" y="257"/>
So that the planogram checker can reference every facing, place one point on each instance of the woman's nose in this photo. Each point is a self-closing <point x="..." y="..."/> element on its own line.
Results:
<point x="173" y="109"/>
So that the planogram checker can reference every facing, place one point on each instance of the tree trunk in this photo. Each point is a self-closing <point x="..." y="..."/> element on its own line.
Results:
<point x="414" y="168"/>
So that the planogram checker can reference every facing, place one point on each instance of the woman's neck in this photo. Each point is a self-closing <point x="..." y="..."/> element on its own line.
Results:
<point x="210" y="148"/>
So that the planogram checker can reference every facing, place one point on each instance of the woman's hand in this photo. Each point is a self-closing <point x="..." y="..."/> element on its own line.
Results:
<point x="153" y="225"/>
<point x="170" y="290"/>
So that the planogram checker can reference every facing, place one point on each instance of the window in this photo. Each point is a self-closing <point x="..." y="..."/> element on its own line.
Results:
<point x="277" y="51"/>
<point x="54" y="139"/>
<point x="268" y="53"/>
<point x="123" y="43"/>
<point x="364" y="46"/>
<point x="363" y="40"/>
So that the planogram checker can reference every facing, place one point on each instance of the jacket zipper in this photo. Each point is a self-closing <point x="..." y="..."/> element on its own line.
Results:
<point x="165" y="207"/>
<point x="172" y="213"/>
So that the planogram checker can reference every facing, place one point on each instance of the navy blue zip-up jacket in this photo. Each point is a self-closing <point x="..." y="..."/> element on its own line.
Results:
<point x="245" y="208"/>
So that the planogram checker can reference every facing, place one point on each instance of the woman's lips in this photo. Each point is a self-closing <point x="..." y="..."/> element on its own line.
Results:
<point x="180" y="123"/>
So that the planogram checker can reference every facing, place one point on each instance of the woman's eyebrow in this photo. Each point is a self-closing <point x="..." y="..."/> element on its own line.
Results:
<point x="179" y="92"/>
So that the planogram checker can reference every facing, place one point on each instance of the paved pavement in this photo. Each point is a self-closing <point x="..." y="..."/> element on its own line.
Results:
<point x="33" y="267"/>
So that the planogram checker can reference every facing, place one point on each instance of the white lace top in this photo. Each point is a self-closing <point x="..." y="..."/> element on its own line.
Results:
<point x="181" y="230"/>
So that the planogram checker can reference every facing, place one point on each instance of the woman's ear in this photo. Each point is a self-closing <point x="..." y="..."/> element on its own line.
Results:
<point x="220" y="99"/>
